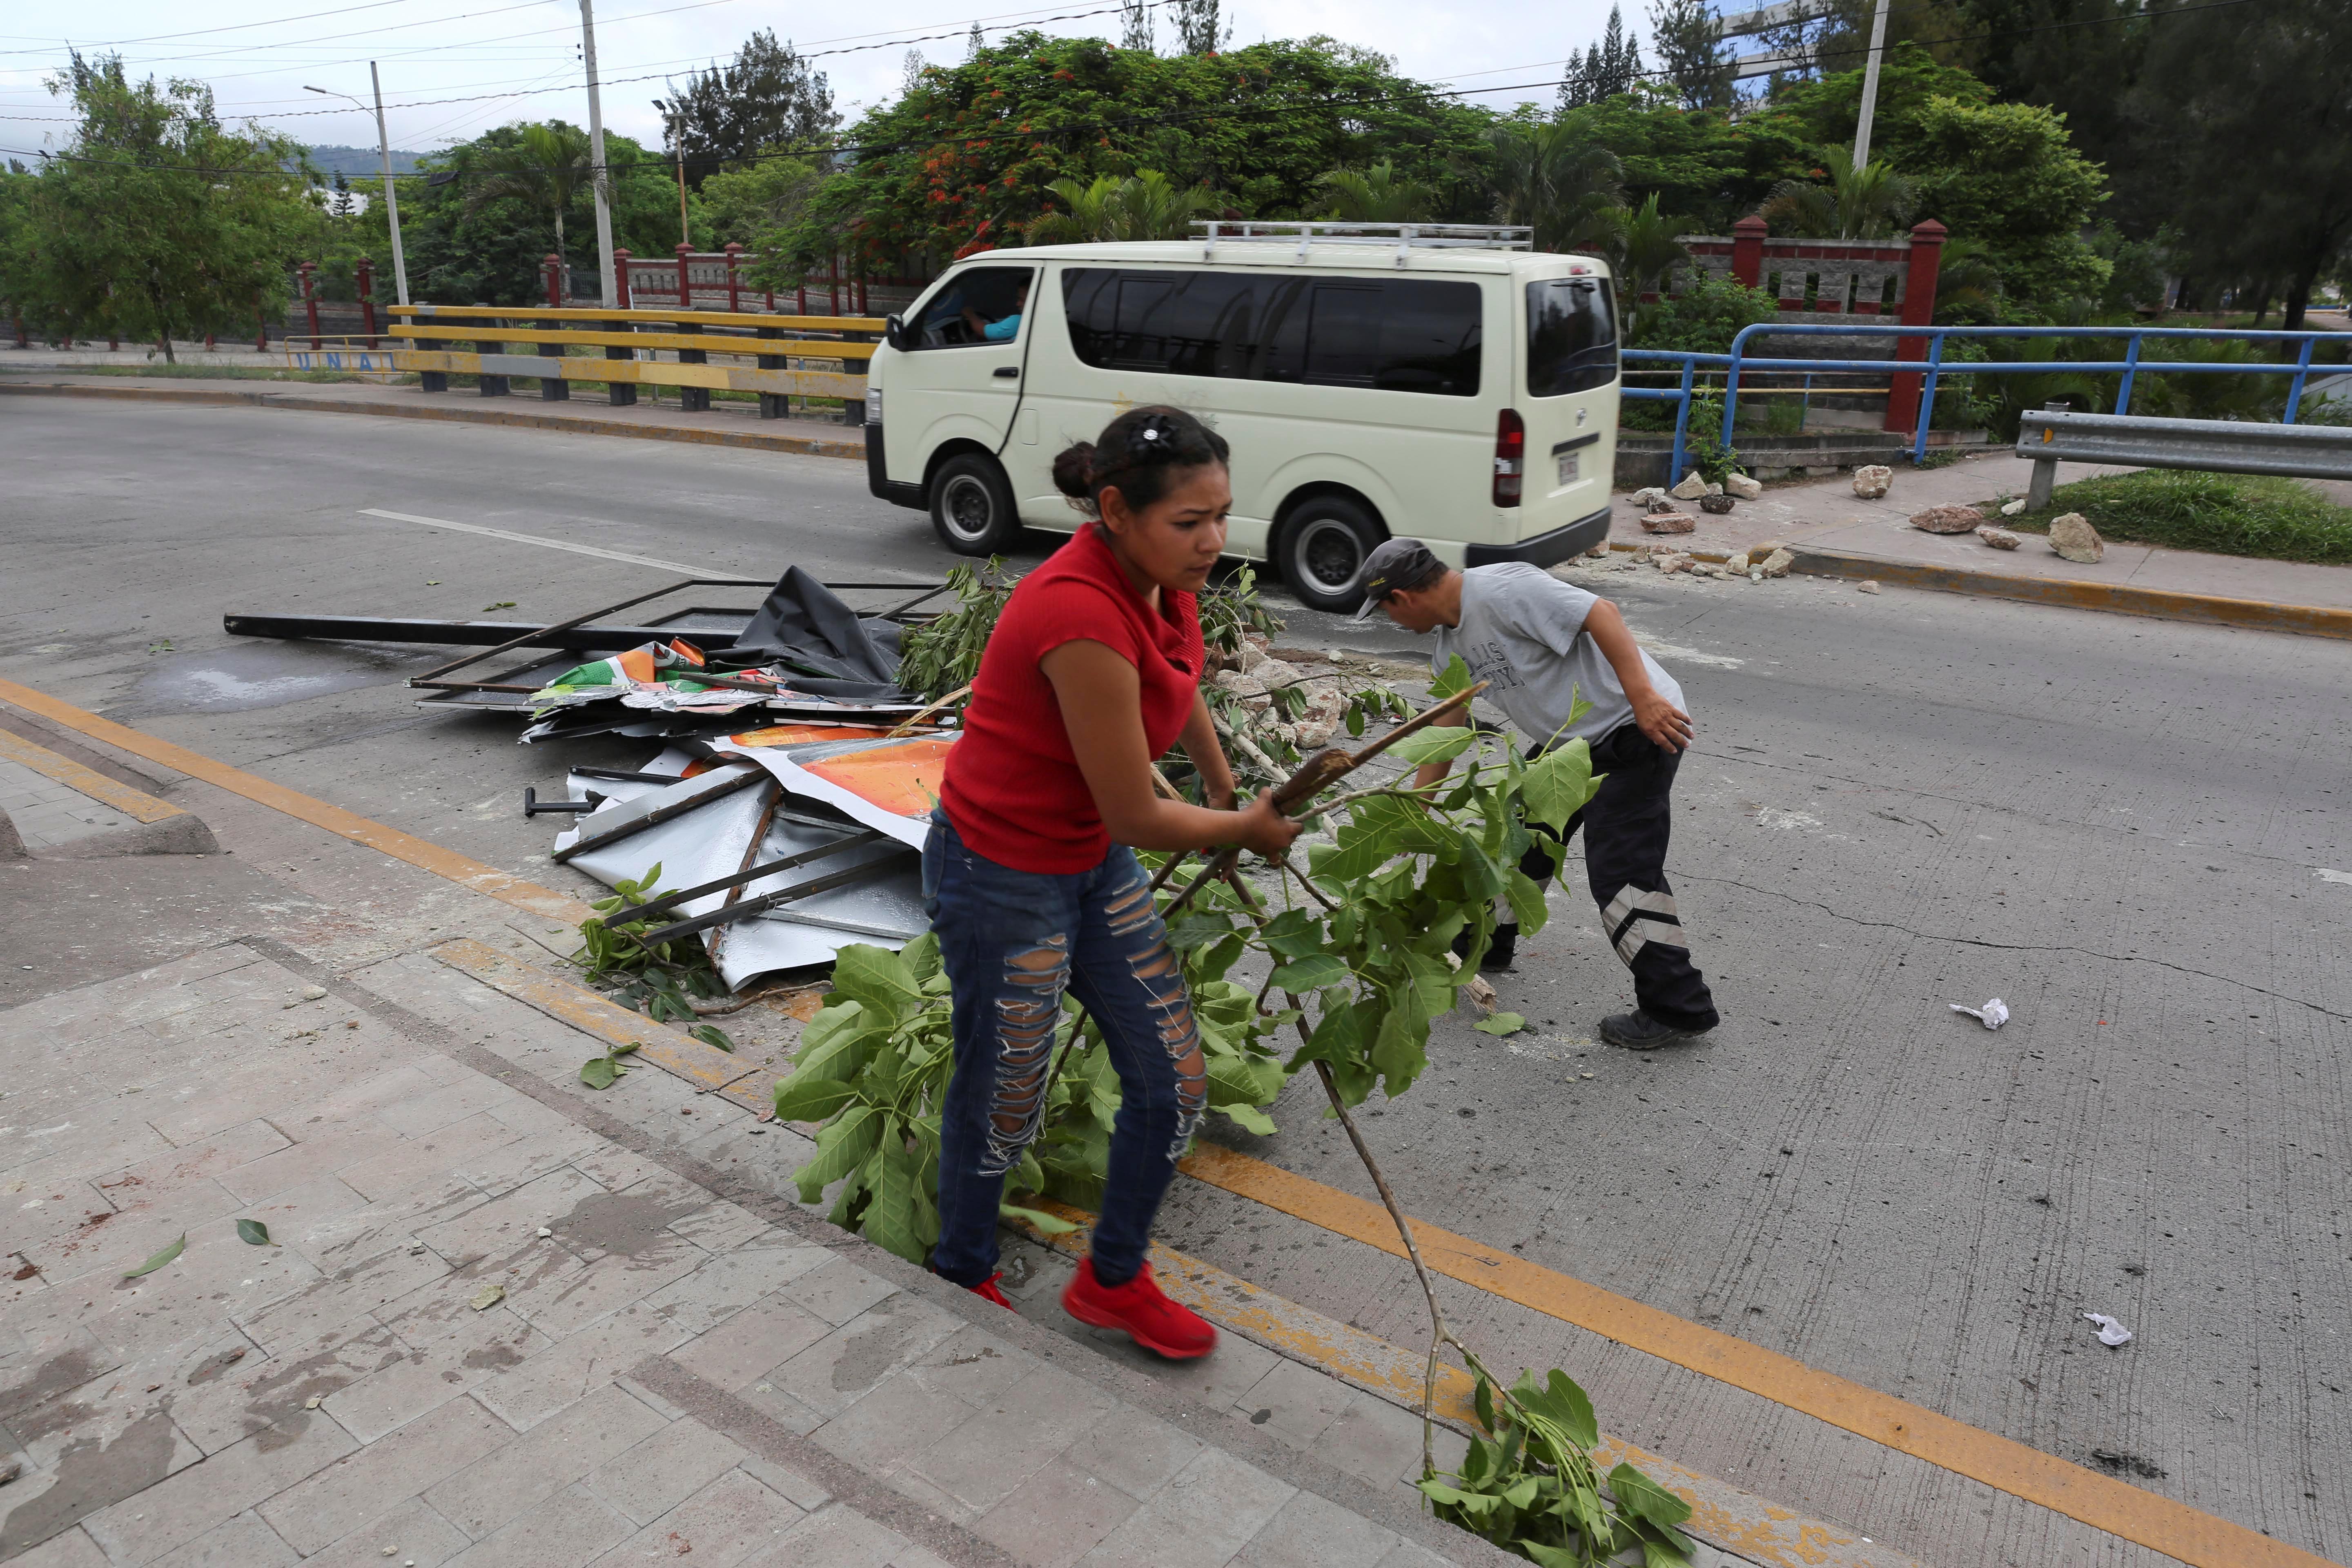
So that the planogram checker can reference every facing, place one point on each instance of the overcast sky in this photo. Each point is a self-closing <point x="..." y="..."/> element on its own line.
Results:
<point x="518" y="60"/>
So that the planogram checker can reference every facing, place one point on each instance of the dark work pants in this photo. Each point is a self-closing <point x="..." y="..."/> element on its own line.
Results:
<point x="1626" y="826"/>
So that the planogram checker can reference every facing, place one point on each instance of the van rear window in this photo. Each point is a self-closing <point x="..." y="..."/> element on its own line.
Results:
<point x="1395" y="334"/>
<point x="1571" y="336"/>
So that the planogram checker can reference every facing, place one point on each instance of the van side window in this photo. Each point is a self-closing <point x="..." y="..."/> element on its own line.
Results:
<point x="979" y="305"/>
<point x="1394" y="334"/>
<point x="1571" y="336"/>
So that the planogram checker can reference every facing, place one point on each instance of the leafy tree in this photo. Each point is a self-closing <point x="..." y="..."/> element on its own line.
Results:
<point x="1559" y="179"/>
<point x="1198" y="29"/>
<point x="2252" y="110"/>
<point x="1611" y="66"/>
<point x="768" y="97"/>
<point x="768" y="194"/>
<point x="1377" y="195"/>
<point x="1704" y="318"/>
<point x="1828" y="112"/>
<point x="1141" y="207"/>
<point x="1644" y="248"/>
<point x="1701" y="162"/>
<point x="1869" y="203"/>
<point x="547" y="166"/>
<point x="155" y="220"/>
<point x="1135" y="26"/>
<point x="1689" y="36"/>
<point x="967" y="159"/>
<point x="2006" y="176"/>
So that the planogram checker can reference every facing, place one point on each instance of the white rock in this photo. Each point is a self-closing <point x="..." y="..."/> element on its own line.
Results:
<point x="1714" y="489"/>
<point x="1737" y="563"/>
<point x="2072" y="537"/>
<point x="1743" y="487"/>
<point x="1648" y="495"/>
<point x="1778" y="564"/>
<point x="1999" y="538"/>
<point x="1669" y="564"/>
<point x="2011" y="509"/>
<point x="1872" y="480"/>
<point x="1691" y="489"/>
<point x="1868" y="585"/>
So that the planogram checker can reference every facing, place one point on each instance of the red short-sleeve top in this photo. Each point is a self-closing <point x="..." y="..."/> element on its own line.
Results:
<point x="1012" y="788"/>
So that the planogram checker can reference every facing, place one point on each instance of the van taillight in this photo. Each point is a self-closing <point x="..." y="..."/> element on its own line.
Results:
<point x="1510" y="457"/>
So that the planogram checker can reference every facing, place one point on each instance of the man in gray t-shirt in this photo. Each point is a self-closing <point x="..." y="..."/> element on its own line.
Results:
<point x="1541" y="643"/>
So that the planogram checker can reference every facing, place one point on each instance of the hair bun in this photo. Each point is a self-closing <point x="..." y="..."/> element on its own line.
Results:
<point x="1074" y="469"/>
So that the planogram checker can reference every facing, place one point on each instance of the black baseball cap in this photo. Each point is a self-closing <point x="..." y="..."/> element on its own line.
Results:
<point x="1396" y="564"/>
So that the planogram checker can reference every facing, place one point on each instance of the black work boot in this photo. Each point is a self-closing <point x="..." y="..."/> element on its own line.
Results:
<point x="1638" y="1031"/>
<point x="1502" y="950"/>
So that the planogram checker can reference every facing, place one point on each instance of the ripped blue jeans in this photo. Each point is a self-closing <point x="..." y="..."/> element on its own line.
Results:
<point x="1013" y="943"/>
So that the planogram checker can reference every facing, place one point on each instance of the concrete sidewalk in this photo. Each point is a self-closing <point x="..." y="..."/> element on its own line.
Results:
<point x="1826" y="515"/>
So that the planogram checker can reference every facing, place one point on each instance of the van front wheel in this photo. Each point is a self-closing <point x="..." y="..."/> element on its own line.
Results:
<point x="1321" y="552"/>
<point x="972" y="505"/>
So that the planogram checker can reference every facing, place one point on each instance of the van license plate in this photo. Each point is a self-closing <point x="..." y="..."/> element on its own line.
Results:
<point x="1568" y="469"/>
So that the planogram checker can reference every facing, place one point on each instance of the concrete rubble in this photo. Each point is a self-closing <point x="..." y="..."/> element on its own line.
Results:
<point x="1997" y="537"/>
<point x="1872" y="480"/>
<point x="1948" y="519"/>
<point x="2072" y="537"/>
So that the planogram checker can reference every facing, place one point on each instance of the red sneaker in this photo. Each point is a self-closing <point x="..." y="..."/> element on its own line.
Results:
<point x="1141" y="1310"/>
<point x="987" y="1291"/>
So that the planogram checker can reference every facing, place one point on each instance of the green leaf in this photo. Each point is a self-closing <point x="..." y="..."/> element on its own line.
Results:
<point x="712" y="1034"/>
<point x="1521" y="1493"/>
<point x="1501" y="1024"/>
<point x="1037" y="1220"/>
<point x="1398" y="1054"/>
<point x="923" y="958"/>
<point x="1560" y="1401"/>
<point x="832" y="1045"/>
<point x="1454" y="678"/>
<point x="601" y="1072"/>
<point x="841" y="1147"/>
<point x="879" y="977"/>
<point x="1469" y="1502"/>
<point x="160" y="1259"/>
<point x="1552" y="1557"/>
<point x="1646" y="1500"/>
<point x="1438" y="743"/>
<point x="801" y="1098"/>
<point x="1657" y="1554"/>
<point x="253" y="1233"/>
<point x="1294" y="934"/>
<point x="890" y="1223"/>
<point x="1196" y="928"/>
<point x="1558" y="784"/>
<point x="1527" y="898"/>
<point x="1250" y="1119"/>
<point x="1312" y="973"/>
<point x="1482" y="1400"/>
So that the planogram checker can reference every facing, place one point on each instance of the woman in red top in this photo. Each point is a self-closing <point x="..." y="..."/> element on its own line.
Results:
<point x="1029" y="876"/>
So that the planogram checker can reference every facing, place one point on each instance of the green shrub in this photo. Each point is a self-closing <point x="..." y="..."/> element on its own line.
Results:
<point x="2226" y="515"/>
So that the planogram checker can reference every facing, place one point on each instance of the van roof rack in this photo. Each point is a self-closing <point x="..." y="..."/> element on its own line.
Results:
<point x="1406" y="237"/>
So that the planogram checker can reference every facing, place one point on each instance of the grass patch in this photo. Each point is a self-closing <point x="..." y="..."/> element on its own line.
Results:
<point x="2225" y="514"/>
<point x="188" y="373"/>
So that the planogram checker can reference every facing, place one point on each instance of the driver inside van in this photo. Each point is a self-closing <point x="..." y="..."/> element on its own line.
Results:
<point x="1003" y="329"/>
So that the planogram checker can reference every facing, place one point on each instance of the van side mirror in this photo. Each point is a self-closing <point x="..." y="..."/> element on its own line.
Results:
<point x="894" y="331"/>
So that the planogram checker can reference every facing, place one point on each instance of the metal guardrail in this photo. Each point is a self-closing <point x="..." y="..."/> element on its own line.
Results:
<point x="1930" y="365"/>
<point x="2216" y="446"/>
<point x="508" y="341"/>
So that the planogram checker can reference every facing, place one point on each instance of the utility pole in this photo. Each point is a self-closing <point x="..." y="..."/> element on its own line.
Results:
<point x="391" y="195"/>
<point x="1869" y="88"/>
<point x="601" y="177"/>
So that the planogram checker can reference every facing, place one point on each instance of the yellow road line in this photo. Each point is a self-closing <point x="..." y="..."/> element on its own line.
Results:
<point x="137" y="805"/>
<point x="1722" y="1514"/>
<point x="2101" y="1502"/>
<point x="449" y="863"/>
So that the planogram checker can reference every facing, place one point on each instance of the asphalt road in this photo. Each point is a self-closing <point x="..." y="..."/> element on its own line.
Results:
<point x="2133" y="832"/>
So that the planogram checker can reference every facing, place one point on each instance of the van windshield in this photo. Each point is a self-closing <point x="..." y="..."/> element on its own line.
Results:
<point x="1571" y="336"/>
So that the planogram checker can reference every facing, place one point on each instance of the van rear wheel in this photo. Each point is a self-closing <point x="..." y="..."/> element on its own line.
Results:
<point x="972" y="505"/>
<point x="1322" y="549"/>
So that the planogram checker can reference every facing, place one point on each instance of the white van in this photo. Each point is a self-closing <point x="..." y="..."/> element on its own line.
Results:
<point x="1442" y="382"/>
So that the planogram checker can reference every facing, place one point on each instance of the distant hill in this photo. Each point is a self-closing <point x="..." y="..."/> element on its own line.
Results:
<point x="358" y="161"/>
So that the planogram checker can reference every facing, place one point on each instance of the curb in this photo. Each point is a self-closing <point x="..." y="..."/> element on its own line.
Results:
<point x="158" y="827"/>
<point x="757" y="440"/>
<point x="2115" y="598"/>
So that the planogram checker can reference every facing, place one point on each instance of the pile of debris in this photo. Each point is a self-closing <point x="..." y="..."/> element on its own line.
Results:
<point x="1291" y="694"/>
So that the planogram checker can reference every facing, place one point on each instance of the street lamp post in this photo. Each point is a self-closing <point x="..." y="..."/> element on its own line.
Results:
<point x="391" y="197"/>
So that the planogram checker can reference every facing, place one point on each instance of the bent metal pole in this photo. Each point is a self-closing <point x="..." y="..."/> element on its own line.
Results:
<point x="600" y="177"/>
<point x="391" y="194"/>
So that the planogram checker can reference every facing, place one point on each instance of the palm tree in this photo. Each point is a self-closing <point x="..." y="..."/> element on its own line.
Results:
<point x="1559" y="180"/>
<point x="548" y="166"/>
<point x="1644" y="251"/>
<point x="1869" y="203"/>
<point x="1146" y="205"/>
<point x="1377" y="195"/>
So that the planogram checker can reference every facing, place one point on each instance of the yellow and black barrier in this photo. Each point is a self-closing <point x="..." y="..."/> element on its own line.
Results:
<point x="782" y="349"/>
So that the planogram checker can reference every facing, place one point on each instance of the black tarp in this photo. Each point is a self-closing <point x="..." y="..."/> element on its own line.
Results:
<point x="828" y="649"/>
